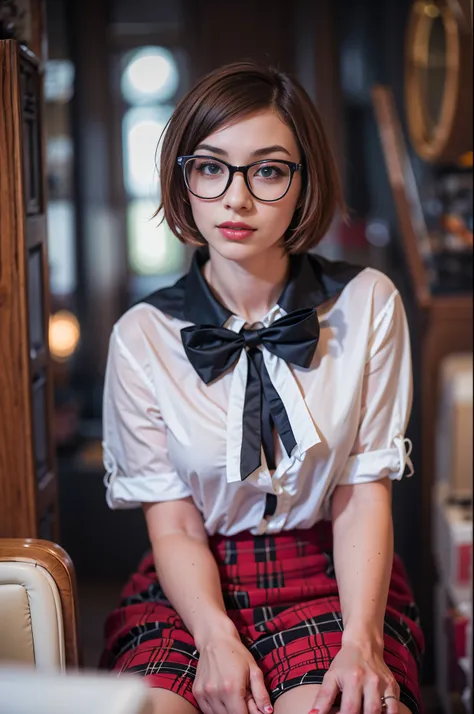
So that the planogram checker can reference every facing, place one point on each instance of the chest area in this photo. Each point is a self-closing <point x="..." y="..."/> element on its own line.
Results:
<point x="196" y="414"/>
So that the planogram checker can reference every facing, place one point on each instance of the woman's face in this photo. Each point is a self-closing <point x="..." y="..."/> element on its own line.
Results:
<point x="262" y="135"/>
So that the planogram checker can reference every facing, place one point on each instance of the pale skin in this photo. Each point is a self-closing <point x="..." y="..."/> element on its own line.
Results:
<point x="248" y="277"/>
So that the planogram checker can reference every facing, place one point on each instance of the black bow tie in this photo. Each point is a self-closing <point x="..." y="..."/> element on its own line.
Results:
<point x="213" y="350"/>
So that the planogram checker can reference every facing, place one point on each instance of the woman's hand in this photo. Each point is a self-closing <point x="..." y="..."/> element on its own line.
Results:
<point x="228" y="680"/>
<point x="363" y="678"/>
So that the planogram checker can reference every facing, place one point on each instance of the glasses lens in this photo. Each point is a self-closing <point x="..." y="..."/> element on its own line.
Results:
<point x="206" y="178"/>
<point x="269" y="180"/>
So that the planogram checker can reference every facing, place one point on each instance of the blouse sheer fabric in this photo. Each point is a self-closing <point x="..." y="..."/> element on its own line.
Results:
<point x="168" y="436"/>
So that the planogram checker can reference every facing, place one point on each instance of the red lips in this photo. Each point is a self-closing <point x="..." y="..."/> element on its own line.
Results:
<point x="236" y="226"/>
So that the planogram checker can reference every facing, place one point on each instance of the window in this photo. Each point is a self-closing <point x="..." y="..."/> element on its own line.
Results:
<point x="58" y="91"/>
<point x="150" y="75"/>
<point x="149" y="83"/>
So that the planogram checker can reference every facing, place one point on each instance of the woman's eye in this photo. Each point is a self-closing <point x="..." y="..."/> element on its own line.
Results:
<point x="209" y="168"/>
<point x="269" y="172"/>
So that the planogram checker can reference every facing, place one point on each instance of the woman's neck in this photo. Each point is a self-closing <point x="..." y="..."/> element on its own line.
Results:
<point x="248" y="289"/>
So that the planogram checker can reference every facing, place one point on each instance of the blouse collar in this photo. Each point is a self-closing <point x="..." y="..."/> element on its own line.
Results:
<point x="312" y="281"/>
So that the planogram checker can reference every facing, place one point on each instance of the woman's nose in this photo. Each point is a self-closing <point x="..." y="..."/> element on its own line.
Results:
<point x="237" y="195"/>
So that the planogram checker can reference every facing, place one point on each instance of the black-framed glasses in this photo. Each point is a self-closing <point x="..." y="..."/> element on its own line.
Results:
<point x="208" y="177"/>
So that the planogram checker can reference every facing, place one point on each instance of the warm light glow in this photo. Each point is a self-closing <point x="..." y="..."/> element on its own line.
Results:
<point x="431" y="10"/>
<point x="64" y="333"/>
<point x="466" y="159"/>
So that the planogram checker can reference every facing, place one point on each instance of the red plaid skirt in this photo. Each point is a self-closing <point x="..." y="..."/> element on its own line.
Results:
<point x="281" y="593"/>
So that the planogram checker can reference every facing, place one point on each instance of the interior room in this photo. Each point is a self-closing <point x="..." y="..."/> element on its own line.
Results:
<point x="86" y="90"/>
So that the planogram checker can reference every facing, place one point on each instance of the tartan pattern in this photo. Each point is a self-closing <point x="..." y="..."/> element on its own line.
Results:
<point x="281" y="593"/>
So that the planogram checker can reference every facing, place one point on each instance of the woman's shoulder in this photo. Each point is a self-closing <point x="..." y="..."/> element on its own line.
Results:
<point x="373" y="283"/>
<point x="135" y="320"/>
<point x="160" y="310"/>
<point x="371" y="287"/>
<point x="339" y="278"/>
<point x="141" y="324"/>
<point x="370" y="291"/>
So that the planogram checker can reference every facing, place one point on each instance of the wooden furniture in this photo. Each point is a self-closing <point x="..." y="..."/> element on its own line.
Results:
<point x="445" y="320"/>
<point x="28" y="498"/>
<point x="42" y="601"/>
<point x="25" y="21"/>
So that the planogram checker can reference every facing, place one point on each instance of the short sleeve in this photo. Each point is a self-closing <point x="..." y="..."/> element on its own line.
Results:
<point x="380" y="448"/>
<point x="134" y="440"/>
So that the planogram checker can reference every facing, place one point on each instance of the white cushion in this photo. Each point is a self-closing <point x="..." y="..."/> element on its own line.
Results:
<point x="27" y="691"/>
<point x="31" y="623"/>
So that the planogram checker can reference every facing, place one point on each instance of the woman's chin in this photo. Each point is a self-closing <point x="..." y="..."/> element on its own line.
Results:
<point x="239" y="250"/>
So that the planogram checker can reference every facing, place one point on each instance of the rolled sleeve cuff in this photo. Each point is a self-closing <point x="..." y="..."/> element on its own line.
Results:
<point x="375" y="465"/>
<point x="131" y="491"/>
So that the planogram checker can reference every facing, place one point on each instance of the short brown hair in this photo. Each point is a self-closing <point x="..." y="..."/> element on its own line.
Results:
<point x="223" y="97"/>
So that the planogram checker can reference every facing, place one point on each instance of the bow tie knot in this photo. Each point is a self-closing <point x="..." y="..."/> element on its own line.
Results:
<point x="252" y="338"/>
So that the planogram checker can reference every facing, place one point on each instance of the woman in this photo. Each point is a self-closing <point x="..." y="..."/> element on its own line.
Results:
<point x="256" y="410"/>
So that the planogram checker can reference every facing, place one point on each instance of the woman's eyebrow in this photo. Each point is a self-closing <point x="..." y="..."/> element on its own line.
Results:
<point x="258" y="152"/>
<point x="213" y="149"/>
<point x="270" y="150"/>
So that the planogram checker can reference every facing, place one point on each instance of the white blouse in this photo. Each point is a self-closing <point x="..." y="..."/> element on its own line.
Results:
<point x="168" y="435"/>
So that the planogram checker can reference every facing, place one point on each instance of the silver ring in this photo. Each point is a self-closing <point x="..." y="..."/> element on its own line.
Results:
<point x="388" y="696"/>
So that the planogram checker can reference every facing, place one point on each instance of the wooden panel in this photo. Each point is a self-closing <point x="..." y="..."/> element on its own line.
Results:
<point x="17" y="484"/>
<point x="27" y="485"/>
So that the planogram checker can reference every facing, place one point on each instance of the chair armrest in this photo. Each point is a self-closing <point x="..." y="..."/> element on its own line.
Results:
<point x="57" y="563"/>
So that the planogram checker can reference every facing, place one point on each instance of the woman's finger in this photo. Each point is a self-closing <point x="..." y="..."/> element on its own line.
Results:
<point x="205" y="706"/>
<point x="372" y="697"/>
<point x="327" y="694"/>
<point x="259" y="691"/>
<point x="235" y="703"/>
<point x="251" y="706"/>
<point x="390" y="702"/>
<point x="351" y="700"/>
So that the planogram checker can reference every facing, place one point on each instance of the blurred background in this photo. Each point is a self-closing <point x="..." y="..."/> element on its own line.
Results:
<point x="91" y="85"/>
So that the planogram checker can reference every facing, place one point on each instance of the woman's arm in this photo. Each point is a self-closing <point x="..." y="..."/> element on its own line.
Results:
<point x="362" y="518"/>
<point x="189" y="576"/>
<point x="363" y="555"/>
<point x="186" y="568"/>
